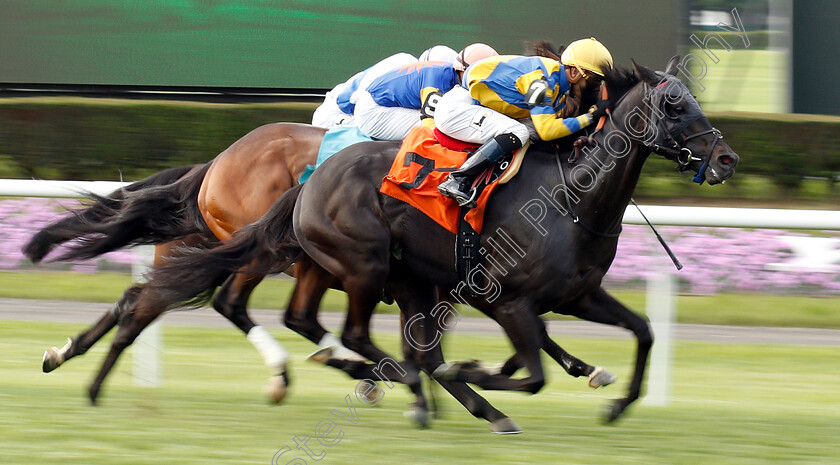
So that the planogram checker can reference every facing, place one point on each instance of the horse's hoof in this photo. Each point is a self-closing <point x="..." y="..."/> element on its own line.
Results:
<point x="419" y="416"/>
<point x="372" y="393"/>
<point x="601" y="377"/>
<point x="505" y="426"/>
<point x="54" y="357"/>
<point x="614" y="411"/>
<point x="276" y="389"/>
<point x="93" y="393"/>
<point x="322" y="355"/>
<point x="50" y="361"/>
<point x="449" y="371"/>
<point x="445" y="371"/>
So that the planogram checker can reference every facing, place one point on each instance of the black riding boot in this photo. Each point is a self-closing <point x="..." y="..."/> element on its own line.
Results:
<point x="458" y="184"/>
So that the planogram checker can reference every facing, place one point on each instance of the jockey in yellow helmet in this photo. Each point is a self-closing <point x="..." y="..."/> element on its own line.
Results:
<point x="497" y="91"/>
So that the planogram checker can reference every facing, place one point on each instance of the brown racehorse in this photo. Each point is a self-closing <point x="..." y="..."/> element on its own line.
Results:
<point x="207" y="202"/>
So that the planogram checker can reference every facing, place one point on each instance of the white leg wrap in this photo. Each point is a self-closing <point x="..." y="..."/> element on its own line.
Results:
<point x="272" y="352"/>
<point x="62" y="352"/>
<point x="338" y="350"/>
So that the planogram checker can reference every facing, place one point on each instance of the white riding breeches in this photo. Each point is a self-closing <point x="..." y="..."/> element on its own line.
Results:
<point x="458" y="116"/>
<point x="328" y="114"/>
<point x="384" y="123"/>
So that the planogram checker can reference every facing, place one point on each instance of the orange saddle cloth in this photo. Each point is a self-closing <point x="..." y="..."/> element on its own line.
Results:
<point x="420" y="166"/>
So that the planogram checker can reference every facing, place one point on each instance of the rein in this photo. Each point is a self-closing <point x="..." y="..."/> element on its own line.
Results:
<point x="681" y="154"/>
<point x="575" y="217"/>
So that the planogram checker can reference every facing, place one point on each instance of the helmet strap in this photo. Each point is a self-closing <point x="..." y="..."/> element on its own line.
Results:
<point x="577" y="77"/>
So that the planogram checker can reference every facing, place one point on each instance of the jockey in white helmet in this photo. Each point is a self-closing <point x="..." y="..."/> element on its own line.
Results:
<point x="403" y="97"/>
<point x="339" y="103"/>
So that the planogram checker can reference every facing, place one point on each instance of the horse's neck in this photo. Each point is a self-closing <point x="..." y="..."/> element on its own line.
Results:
<point x="602" y="202"/>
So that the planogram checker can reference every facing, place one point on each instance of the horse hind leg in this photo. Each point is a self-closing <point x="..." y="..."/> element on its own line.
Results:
<point x="301" y="314"/>
<point x="55" y="357"/>
<point x="523" y="330"/>
<point x="432" y="357"/>
<point x="231" y="302"/>
<point x="130" y="326"/>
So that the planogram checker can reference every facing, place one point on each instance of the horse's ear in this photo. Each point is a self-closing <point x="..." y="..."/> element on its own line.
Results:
<point x="646" y="74"/>
<point x="672" y="65"/>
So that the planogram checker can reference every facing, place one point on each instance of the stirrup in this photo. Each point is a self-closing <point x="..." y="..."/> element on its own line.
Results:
<point x="468" y="202"/>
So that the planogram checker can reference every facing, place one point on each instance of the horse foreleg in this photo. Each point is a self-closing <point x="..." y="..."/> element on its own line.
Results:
<point x="231" y="302"/>
<point x="600" y="307"/>
<point x="597" y="376"/>
<point x="575" y="367"/>
<point x="55" y="357"/>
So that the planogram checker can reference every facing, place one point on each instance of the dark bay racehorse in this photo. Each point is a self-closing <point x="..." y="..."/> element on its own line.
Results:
<point x="202" y="204"/>
<point x="560" y="244"/>
<point x="225" y="194"/>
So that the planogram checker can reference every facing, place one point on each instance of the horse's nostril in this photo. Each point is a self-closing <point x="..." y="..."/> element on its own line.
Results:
<point x="725" y="160"/>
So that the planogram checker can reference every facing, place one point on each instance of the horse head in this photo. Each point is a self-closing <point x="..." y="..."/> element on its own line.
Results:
<point x="668" y="121"/>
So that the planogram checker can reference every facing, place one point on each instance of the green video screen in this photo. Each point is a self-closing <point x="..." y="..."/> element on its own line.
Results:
<point x="294" y="44"/>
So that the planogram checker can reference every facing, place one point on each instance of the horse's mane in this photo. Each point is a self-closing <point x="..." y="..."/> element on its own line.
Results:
<point x="619" y="81"/>
<point x="544" y="48"/>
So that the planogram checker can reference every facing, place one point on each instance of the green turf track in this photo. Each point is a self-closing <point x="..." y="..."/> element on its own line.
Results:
<point x="726" y="309"/>
<point x="732" y="404"/>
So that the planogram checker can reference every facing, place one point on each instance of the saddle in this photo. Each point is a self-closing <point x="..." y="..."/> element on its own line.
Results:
<point x="425" y="159"/>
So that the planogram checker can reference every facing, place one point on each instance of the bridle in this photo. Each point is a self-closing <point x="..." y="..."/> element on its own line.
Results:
<point x="673" y="150"/>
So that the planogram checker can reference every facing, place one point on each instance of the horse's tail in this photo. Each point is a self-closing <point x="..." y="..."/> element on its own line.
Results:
<point x="267" y="246"/>
<point x="156" y="209"/>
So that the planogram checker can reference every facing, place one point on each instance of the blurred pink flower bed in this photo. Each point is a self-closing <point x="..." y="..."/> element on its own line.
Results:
<point x="22" y="218"/>
<point x="715" y="259"/>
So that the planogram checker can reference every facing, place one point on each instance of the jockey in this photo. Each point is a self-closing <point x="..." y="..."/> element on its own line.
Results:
<point x="339" y="103"/>
<point x="406" y="96"/>
<point x="499" y="90"/>
<point x="439" y="53"/>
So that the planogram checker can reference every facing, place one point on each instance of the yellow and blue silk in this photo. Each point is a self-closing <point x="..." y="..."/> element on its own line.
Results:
<point x="410" y="85"/>
<point x="501" y="83"/>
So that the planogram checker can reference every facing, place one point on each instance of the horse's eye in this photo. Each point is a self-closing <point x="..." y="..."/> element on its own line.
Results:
<point x="679" y="109"/>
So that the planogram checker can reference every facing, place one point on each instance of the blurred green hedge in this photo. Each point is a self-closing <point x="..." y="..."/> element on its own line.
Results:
<point x="98" y="139"/>
<point x="783" y="147"/>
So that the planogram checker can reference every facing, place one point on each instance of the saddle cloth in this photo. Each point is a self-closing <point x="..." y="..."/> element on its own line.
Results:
<point x="420" y="166"/>
<point x="336" y="139"/>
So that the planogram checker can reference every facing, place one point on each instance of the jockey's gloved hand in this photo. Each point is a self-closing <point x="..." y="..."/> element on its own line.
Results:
<point x="599" y="109"/>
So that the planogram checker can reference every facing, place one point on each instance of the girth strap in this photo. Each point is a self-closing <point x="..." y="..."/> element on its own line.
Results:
<point x="467" y="243"/>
